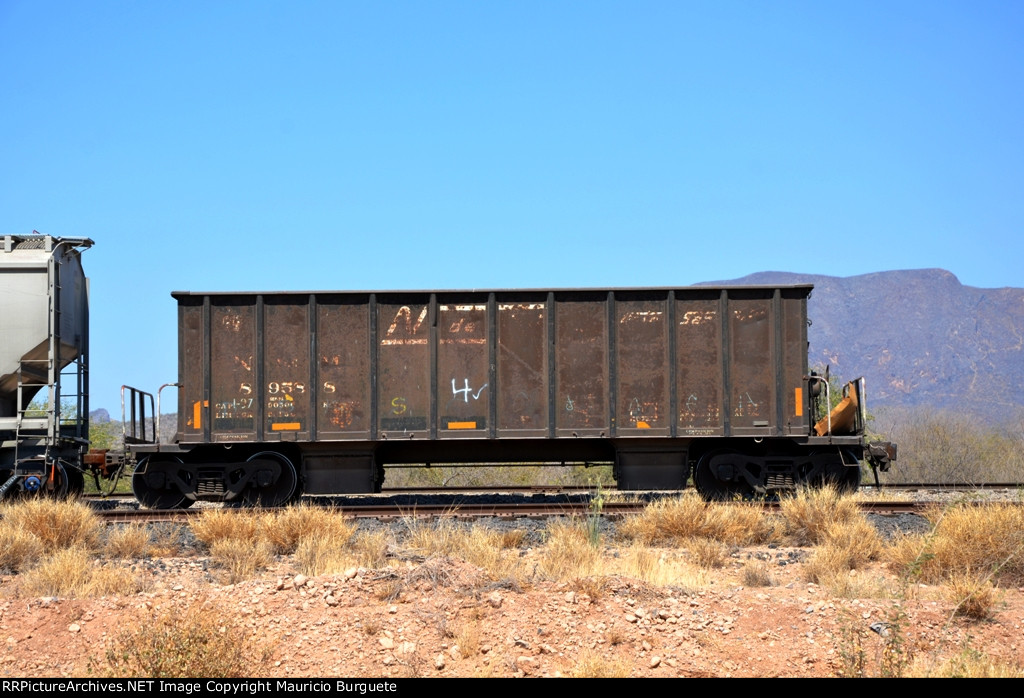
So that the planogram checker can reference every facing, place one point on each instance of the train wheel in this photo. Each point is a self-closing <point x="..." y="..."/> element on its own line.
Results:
<point x="710" y="487"/>
<point x="282" y="491"/>
<point x="153" y="484"/>
<point x="76" y="482"/>
<point x="58" y="486"/>
<point x="845" y="478"/>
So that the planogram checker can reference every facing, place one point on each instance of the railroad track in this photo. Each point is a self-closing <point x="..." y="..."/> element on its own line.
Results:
<point x="475" y="510"/>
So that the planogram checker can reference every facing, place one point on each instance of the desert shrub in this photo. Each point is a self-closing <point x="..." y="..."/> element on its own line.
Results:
<point x="567" y="552"/>
<point x="595" y="665"/>
<point x="19" y="548"/>
<point x="813" y="511"/>
<point x="286" y="528"/>
<point x="969" y="663"/>
<point x="948" y="447"/>
<point x="131" y="541"/>
<point x="706" y="553"/>
<point x="184" y="641"/>
<point x="972" y="596"/>
<point x="220" y="524"/>
<point x="75" y="573"/>
<point x="757" y="573"/>
<point x="56" y="523"/>
<point x="670" y="521"/>
<point x="240" y="559"/>
<point x="986" y="540"/>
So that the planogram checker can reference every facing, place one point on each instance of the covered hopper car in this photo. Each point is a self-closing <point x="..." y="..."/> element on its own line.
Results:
<point x="285" y="393"/>
<point x="44" y="356"/>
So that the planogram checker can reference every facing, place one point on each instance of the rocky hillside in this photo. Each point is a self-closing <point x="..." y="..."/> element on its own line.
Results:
<point x="919" y="337"/>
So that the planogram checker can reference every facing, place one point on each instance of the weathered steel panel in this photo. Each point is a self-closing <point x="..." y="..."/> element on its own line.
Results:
<point x="642" y="366"/>
<point x="462" y="367"/>
<point x="193" y="410"/>
<point x="794" y="333"/>
<point x="343" y="365"/>
<point x="752" y="365"/>
<point x="581" y="365"/>
<point x="699" y="379"/>
<point x="233" y="361"/>
<point x="286" y="390"/>
<point x="522" y="375"/>
<point x="403" y="368"/>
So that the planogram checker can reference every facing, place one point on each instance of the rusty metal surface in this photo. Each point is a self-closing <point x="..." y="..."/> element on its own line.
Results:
<point x="403" y="369"/>
<point x="642" y="362"/>
<point x="234" y="388"/>
<point x="343" y="360"/>
<point x="581" y="366"/>
<point x="699" y="382"/>
<point x="463" y="373"/>
<point x="374" y="367"/>
<point x="522" y="370"/>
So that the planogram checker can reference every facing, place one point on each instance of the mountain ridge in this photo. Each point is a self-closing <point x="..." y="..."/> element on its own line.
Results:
<point x="918" y="336"/>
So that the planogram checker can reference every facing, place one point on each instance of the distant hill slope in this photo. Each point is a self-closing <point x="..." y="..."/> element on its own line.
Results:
<point x="918" y="336"/>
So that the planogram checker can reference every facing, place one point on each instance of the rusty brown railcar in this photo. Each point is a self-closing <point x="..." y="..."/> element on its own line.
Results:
<point x="314" y="392"/>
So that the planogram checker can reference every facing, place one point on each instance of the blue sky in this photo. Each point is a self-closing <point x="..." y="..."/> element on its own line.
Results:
<point x="345" y="145"/>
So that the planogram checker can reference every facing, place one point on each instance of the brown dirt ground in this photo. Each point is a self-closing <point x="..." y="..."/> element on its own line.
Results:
<point x="447" y="620"/>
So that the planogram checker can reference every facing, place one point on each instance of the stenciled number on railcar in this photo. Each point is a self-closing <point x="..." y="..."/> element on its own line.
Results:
<point x="467" y="391"/>
<point x="285" y="387"/>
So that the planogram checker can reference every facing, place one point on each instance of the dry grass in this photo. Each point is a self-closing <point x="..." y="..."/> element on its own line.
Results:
<point x="660" y="568"/>
<point x="127" y="542"/>
<point x="567" y="553"/>
<point x="191" y="641"/>
<point x="467" y="637"/>
<point x="644" y="564"/>
<point x="338" y="549"/>
<point x="476" y="545"/>
<point x="442" y="537"/>
<point x="812" y="512"/>
<point x="757" y="573"/>
<point x="222" y="524"/>
<point x="591" y="664"/>
<point x="706" y="553"/>
<point x="370" y="549"/>
<point x="844" y="546"/>
<point x="243" y="543"/>
<point x="240" y="559"/>
<point x="979" y="541"/>
<point x="19" y="548"/>
<point x="972" y="596"/>
<point x="669" y="521"/>
<point x="166" y="540"/>
<point x="74" y="573"/>
<point x="487" y="550"/>
<point x="968" y="664"/>
<point x="286" y="528"/>
<point x="56" y="523"/>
